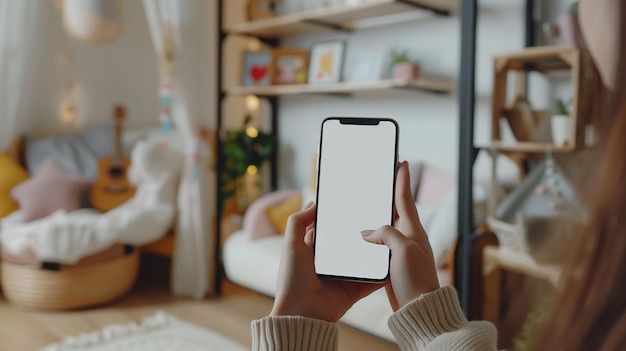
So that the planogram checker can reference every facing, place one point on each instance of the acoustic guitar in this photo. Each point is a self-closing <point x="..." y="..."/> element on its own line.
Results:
<point x="112" y="187"/>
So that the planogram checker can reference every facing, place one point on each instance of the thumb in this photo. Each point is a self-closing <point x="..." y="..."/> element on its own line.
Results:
<point x="386" y="235"/>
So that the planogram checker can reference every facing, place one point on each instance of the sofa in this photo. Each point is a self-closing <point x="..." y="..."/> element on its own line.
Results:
<point x="251" y="255"/>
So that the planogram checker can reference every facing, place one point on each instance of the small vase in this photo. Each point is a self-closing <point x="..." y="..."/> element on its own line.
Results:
<point x="561" y="130"/>
<point x="405" y="71"/>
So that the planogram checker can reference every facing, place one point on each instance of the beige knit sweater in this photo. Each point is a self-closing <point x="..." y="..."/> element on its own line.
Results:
<point x="432" y="322"/>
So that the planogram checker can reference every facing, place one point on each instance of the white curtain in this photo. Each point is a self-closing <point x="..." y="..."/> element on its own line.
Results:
<point x="191" y="28"/>
<point x="18" y="41"/>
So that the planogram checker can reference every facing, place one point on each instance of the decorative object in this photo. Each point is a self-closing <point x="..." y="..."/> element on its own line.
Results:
<point x="290" y="66"/>
<point x="51" y="189"/>
<point x="67" y="108"/>
<point x="326" y="63"/>
<point x="403" y="67"/>
<point x="69" y="287"/>
<point x="367" y="67"/>
<point x="567" y="29"/>
<point x="242" y="150"/>
<point x="161" y="332"/>
<point x="95" y="21"/>
<point x="543" y="60"/>
<point x="261" y="9"/>
<point x="12" y="175"/>
<point x="545" y="197"/>
<point x="561" y="126"/>
<point x="257" y="68"/>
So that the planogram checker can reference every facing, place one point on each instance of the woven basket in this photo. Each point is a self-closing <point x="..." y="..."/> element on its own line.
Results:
<point x="70" y="287"/>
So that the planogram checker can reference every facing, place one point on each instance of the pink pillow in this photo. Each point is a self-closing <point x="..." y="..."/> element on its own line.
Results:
<point x="256" y="224"/>
<point x="51" y="189"/>
<point x="434" y="185"/>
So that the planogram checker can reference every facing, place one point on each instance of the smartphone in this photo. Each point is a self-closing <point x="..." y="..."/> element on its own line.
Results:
<point x="356" y="176"/>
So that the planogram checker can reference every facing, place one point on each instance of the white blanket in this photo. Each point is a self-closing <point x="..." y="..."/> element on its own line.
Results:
<point x="67" y="237"/>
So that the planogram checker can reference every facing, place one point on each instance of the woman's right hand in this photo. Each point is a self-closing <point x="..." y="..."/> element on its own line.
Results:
<point x="412" y="267"/>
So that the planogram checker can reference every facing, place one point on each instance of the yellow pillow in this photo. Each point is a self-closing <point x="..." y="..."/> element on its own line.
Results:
<point x="11" y="174"/>
<point x="278" y="214"/>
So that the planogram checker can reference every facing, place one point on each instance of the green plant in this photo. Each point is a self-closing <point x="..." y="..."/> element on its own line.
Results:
<point x="574" y="8"/>
<point x="400" y="56"/>
<point x="563" y="107"/>
<point x="241" y="149"/>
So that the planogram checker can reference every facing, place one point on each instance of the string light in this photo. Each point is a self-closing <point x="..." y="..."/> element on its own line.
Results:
<point x="252" y="102"/>
<point x="252" y="169"/>
<point x="252" y="132"/>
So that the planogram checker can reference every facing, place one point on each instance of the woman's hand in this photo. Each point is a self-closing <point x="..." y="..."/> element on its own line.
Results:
<point x="412" y="269"/>
<point x="300" y="292"/>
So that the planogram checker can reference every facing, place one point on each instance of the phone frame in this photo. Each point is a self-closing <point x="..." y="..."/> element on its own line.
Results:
<point x="372" y="121"/>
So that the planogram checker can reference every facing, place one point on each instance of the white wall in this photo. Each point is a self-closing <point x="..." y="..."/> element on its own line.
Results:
<point x="428" y="123"/>
<point x="123" y="71"/>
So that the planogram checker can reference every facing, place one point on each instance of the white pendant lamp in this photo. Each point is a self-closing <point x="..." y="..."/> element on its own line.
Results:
<point x="95" y="21"/>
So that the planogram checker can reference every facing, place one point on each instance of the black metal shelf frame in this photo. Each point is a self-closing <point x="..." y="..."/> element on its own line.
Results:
<point x="466" y="234"/>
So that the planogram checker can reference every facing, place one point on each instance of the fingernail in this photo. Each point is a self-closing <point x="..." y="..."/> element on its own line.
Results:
<point x="366" y="233"/>
<point x="308" y="204"/>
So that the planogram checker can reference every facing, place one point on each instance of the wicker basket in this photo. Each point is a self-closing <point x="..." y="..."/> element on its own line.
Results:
<point x="70" y="287"/>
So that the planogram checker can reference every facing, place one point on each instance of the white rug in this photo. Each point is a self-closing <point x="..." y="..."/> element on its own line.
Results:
<point x="160" y="332"/>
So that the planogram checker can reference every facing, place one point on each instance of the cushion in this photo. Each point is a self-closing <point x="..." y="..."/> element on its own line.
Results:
<point x="256" y="224"/>
<point x="51" y="189"/>
<point x="77" y="152"/>
<point x="279" y="214"/>
<point x="433" y="185"/>
<point x="11" y="174"/>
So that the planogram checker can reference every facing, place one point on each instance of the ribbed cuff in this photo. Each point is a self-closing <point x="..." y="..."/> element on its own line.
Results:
<point x="286" y="333"/>
<point x="422" y="320"/>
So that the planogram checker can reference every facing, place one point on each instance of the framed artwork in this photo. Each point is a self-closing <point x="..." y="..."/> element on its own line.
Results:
<point x="368" y="67"/>
<point x="290" y="66"/>
<point x="326" y="62"/>
<point x="257" y="68"/>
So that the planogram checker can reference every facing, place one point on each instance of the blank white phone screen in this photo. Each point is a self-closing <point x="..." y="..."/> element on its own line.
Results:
<point x="357" y="166"/>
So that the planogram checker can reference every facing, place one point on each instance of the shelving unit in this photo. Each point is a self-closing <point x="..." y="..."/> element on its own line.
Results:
<point x="339" y="17"/>
<point x="432" y="85"/>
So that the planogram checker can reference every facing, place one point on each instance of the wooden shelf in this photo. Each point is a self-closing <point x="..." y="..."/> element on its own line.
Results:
<point x="342" y="17"/>
<point x="530" y="147"/>
<point x="433" y="85"/>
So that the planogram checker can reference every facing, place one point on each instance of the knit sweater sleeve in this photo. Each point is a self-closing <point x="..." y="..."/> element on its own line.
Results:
<point x="286" y="333"/>
<point x="435" y="321"/>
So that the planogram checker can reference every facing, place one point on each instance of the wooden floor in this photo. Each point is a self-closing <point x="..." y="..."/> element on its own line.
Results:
<point x="229" y="315"/>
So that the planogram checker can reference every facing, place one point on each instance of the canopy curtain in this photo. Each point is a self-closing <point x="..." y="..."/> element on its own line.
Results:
<point x="182" y="37"/>
<point x="18" y="41"/>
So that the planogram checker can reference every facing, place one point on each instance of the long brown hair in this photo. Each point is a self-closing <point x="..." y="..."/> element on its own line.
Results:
<point x="590" y="313"/>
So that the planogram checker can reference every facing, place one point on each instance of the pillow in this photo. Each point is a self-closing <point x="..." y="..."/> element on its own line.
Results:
<point x="279" y="214"/>
<point x="11" y="174"/>
<point x="256" y="224"/>
<point x="77" y="152"/>
<point x="51" y="189"/>
<point x="433" y="185"/>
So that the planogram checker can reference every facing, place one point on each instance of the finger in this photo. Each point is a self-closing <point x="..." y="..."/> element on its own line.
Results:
<point x="386" y="235"/>
<point x="309" y="237"/>
<point x="405" y="204"/>
<point x="297" y="224"/>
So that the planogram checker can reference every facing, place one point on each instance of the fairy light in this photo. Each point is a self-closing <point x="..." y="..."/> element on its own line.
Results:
<point x="252" y="132"/>
<point x="252" y="169"/>
<point x="252" y="102"/>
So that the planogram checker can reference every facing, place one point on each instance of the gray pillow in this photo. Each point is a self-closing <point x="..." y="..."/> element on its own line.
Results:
<point x="77" y="152"/>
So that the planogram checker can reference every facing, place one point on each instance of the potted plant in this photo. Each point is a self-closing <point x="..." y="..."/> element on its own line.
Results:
<point x="241" y="150"/>
<point x="561" y="125"/>
<point x="567" y="28"/>
<point x="403" y="67"/>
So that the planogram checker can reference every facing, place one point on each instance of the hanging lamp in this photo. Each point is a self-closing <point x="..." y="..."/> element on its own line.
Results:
<point x="94" y="21"/>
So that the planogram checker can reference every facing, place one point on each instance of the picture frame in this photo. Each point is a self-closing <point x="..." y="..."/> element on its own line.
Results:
<point x="257" y="68"/>
<point x="290" y="66"/>
<point x="326" y="62"/>
<point x="368" y="67"/>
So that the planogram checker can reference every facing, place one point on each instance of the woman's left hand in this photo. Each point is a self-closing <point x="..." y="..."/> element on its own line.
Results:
<point x="300" y="292"/>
